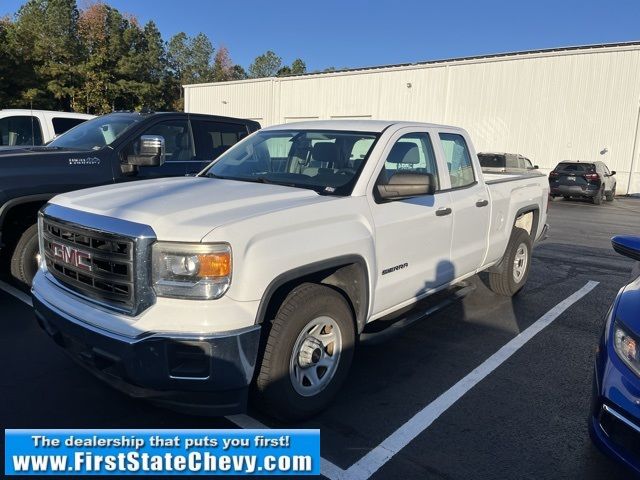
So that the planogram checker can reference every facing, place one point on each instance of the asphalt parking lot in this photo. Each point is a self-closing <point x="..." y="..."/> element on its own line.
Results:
<point x="519" y="414"/>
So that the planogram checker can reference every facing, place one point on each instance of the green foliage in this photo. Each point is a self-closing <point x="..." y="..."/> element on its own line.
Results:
<point x="97" y="59"/>
<point x="298" y="67"/>
<point x="266" y="65"/>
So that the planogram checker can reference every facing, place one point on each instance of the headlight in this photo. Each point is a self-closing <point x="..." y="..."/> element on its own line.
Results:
<point x="626" y="347"/>
<point x="197" y="271"/>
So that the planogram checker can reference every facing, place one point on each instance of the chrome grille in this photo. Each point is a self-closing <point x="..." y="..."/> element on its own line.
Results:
<point x="109" y="268"/>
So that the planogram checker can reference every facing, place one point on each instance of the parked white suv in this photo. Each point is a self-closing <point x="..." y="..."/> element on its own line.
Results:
<point x="35" y="127"/>
<point x="261" y="272"/>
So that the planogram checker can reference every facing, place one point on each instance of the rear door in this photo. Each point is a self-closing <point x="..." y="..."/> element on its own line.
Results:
<point x="212" y="139"/>
<point x="469" y="203"/>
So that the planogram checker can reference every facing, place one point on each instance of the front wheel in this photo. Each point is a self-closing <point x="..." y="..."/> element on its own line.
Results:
<point x="513" y="270"/>
<point x="24" y="261"/>
<point x="307" y="354"/>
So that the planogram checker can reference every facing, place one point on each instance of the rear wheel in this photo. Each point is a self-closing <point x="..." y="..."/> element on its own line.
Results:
<point x="307" y="354"/>
<point x="24" y="261"/>
<point x="611" y="195"/>
<point x="513" y="269"/>
<point x="597" y="198"/>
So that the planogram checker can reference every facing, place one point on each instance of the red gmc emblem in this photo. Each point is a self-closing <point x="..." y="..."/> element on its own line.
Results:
<point x="71" y="256"/>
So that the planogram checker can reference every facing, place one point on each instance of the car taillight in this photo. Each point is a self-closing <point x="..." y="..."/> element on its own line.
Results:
<point x="554" y="174"/>
<point x="592" y="176"/>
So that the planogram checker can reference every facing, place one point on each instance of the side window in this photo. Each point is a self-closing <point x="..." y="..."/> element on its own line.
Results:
<point x="61" y="124"/>
<point x="458" y="160"/>
<point x="511" y="161"/>
<point x="20" y="130"/>
<point x="606" y="169"/>
<point x="177" y="141"/>
<point x="214" y="138"/>
<point x="412" y="153"/>
<point x="527" y="164"/>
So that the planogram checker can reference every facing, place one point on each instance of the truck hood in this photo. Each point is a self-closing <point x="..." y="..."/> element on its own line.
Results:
<point x="187" y="209"/>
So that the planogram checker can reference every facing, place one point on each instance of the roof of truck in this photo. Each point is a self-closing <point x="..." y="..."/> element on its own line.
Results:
<point x="353" y="125"/>
<point x="28" y="111"/>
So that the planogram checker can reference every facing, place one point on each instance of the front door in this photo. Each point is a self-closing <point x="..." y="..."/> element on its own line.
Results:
<point x="412" y="235"/>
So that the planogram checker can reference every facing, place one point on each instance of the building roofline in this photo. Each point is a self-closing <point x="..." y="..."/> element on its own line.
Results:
<point x="542" y="51"/>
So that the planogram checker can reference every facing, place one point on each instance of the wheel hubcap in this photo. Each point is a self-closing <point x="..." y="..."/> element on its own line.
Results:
<point x="520" y="263"/>
<point x="315" y="356"/>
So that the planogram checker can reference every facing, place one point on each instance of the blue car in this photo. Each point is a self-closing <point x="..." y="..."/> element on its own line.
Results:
<point x="614" y="422"/>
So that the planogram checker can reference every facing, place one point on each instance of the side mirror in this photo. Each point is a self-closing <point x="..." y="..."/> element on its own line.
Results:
<point x="627" y="245"/>
<point x="148" y="151"/>
<point x="613" y="172"/>
<point x="405" y="185"/>
<point x="535" y="167"/>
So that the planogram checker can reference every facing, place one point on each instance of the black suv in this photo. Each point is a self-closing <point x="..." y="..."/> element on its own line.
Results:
<point x="591" y="180"/>
<point x="118" y="147"/>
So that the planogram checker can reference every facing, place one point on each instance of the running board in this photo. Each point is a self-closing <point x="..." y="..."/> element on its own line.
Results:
<point x="398" y="325"/>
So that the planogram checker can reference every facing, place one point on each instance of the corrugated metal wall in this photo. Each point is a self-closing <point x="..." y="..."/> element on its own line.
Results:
<point x="549" y="106"/>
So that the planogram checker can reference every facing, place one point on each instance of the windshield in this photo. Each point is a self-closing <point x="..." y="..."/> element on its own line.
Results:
<point x="575" y="167"/>
<point x="326" y="161"/>
<point x="96" y="133"/>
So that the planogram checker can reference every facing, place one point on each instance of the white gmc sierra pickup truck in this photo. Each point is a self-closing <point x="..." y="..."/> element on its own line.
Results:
<point x="259" y="274"/>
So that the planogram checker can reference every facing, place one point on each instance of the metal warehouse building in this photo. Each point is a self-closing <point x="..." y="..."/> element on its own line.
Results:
<point x="577" y="103"/>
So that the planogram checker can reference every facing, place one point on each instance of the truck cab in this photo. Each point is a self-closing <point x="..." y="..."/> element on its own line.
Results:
<point x="114" y="148"/>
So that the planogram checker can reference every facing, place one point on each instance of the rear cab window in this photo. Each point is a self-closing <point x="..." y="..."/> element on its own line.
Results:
<point x="456" y="154"/>
<point x="62" y="124"/>
<point x="20" y="130"/>
<point x="488" y="160"/>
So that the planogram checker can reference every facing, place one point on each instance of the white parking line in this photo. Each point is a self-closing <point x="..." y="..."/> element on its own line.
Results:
<point x="376" y="458"/>
<point x="20" y="295"/>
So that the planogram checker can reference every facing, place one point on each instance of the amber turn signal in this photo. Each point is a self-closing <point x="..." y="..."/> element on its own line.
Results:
<point x="215" y="264"/>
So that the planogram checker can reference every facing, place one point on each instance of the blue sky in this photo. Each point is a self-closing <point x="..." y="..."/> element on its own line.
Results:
<point x="352" y="33"/>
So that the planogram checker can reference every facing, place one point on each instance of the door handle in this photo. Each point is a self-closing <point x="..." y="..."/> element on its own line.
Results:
<point x="441" y="212"/>
<point x="482" y="203"/>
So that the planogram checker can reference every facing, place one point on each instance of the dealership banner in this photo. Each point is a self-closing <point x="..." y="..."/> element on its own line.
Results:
<point x="162" y="452"/>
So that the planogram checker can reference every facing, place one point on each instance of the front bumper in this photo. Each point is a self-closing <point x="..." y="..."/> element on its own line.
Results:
<point x="614" y="422"/>
<point x="196" y="374"/>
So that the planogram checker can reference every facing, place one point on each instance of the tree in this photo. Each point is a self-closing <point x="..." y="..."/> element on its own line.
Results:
<point x="238" y="73"/>
<point x="190" y="58"/>
<point x="222" y="65"/>
<point x="266" y="65"/>
<point x="44" y="39"/>
<point x="298" y="67"/>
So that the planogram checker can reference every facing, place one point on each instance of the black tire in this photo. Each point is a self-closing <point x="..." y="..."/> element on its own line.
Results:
<point x="611" y="195"/>
<point x="274" y="390"/>
<point x="503" y="280"/>
<point x="597" y="198"/>
<point x="24" y="263"/>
